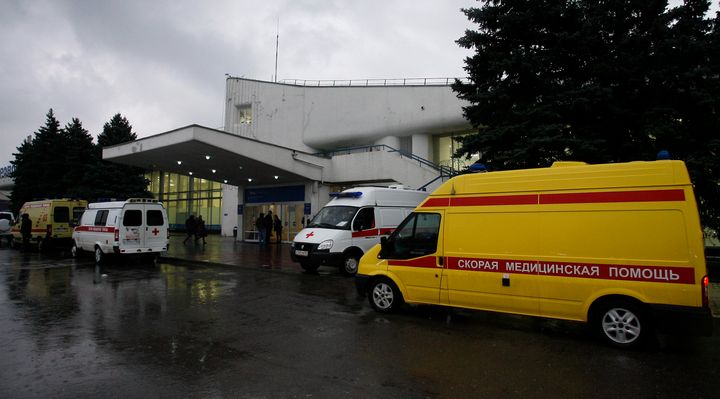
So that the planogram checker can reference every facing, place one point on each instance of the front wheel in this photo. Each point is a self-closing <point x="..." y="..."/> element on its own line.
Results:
<point x="99" y="255"/>
<point x="385" y="297"/>
<point x="75" y="251"/>
<point x="350" y="264"/>
<point x="622" y="324"/>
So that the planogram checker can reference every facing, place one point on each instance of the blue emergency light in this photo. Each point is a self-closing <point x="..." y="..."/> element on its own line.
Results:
<point x="347" y="194"/>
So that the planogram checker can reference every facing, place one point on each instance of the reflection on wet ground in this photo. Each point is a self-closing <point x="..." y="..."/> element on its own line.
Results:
<point x="73" y="329"/>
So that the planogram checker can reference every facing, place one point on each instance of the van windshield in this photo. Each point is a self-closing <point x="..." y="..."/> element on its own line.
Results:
<point x="334" y="217"/>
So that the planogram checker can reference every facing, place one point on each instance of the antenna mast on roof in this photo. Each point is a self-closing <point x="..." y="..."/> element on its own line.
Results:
<point x="277" y="43"/>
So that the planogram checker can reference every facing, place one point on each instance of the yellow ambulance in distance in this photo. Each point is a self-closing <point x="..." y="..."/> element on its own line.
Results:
<point x="617" y="246"/>
<point x="52" y="221"/>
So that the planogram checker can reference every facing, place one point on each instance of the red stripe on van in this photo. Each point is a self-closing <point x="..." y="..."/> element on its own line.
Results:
<point x="365" y="233"/>
<point x="614" y="196"/>
<point x="96" y="229"/>
<point x="425" y="261"/>
<point x="560" y="198"/>
<point x="530" y="199"/>
<point x="656" y="274"/>
<point x="441" y="202"/>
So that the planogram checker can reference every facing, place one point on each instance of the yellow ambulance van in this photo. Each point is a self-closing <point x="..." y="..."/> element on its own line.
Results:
<point x="52" y="220"/>
<point x="617" y="246"/>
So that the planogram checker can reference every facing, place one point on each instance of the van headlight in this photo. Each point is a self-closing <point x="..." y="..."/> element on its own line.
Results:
<point x="327" y="244"/>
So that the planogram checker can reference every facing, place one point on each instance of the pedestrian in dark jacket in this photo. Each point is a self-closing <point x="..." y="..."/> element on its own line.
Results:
<point x="277" y="225"/>
<point x="268" y="222"/>
<point x="260" y="225"/>
<point x="200" y="232"/>
<point x="190" y="227"/>
<point x="26" y="231"/>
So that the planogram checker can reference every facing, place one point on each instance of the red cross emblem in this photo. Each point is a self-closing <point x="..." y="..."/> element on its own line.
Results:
<point x="310" y="234"/>
<point x="155" y="231"/>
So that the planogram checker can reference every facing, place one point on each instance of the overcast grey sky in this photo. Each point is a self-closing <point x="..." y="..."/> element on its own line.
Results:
<point x="162" y="64"/>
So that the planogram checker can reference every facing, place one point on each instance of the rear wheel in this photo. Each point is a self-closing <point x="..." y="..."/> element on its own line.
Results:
<point x="384" y="296"/>
<point x="99" y="255"/>
<point x="621" y="323"/>
<point x="309" y="267"/>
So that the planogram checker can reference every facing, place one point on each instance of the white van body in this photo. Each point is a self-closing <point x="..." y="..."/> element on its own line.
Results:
<point x="135" y="226"/>
<point x="350" y="224"/>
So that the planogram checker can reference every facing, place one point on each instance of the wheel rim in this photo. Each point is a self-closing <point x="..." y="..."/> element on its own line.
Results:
<point x="351" y="265"/>
<point x="98" y="255"/>
<point x="621" y="325"/>
<point x="383" y="296"/>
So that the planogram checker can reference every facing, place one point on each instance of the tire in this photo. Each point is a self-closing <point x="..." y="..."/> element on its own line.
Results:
<point x="350" y="264"/>
<point x="99" y="255"/>
<point x="384" y="296"/>
<point x="75" y="251"/>
<point x="308" y="267"/>
<point x="621" y="323"/>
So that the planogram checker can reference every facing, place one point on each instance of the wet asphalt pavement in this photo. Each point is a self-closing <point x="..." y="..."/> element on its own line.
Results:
<point x="70" y="329"/>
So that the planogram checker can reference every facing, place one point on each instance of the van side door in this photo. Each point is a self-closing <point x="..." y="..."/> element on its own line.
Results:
<point x="491" y="255"/>
<point x="414" y="254"/>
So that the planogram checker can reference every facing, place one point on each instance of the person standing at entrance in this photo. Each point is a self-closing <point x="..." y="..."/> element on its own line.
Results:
<point x="26" y="231"/>
<point x="277" y="225"/>
<point x="268" y="227"/>
<point x="260" y="225"/>
<point x="201" y="231"/>
<point x="190" y="227"/>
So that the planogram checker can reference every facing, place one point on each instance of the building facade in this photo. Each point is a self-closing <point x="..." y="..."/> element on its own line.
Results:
<point x="286" y="146"/>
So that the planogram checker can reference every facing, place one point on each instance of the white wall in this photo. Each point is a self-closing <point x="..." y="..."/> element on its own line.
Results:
<point x="229" y="210"/>
<point x="313" y="119"/>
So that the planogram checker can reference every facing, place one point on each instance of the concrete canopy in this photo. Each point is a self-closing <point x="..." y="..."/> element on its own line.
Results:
<point x="234" y="158"/>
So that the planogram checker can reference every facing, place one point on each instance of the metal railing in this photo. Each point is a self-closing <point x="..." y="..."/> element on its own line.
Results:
<point x="445" y="171"/>
<point x="375" y="82"/>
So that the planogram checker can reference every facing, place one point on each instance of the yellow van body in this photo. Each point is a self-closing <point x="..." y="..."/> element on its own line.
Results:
<point x="52" y="221"/>
<point x="563" y="242"/>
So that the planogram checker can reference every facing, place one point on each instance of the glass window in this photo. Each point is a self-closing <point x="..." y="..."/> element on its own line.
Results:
<point x="61" y="214"/>
<point x="101" y="217"/>
<point x="365" y="219"/>
<point x="416" y="236"/>
<point x="334" y="217"/>
<point x="243" y="113"/>
<point x="183" y="183"/>
<point x="132" y="217"/>
<point x="155" y="218"/>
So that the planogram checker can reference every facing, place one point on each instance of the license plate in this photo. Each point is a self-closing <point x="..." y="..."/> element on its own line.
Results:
<point x="301" y="253"/>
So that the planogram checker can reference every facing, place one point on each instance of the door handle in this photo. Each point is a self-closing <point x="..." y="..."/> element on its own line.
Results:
<point x="441" y="260"/>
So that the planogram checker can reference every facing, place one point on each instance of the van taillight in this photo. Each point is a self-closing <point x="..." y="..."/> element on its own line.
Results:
<point x="705" y="284"/>
<point x="117" y="235"/>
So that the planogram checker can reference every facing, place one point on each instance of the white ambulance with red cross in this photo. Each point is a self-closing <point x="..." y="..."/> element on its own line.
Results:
<point x="138" y="226"/>
<point x="352" y="223"/>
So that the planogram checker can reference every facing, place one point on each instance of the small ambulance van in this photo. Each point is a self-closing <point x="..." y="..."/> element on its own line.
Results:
<point x="617" y="246"/>
<point x="138" y="226"/>
<point x="350" y="224"/>
<point x="52" y="222"/>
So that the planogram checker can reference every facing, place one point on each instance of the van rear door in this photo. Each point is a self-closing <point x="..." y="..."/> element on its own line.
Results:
<point x="156" y="227"/>
<point x="132" y="228"/>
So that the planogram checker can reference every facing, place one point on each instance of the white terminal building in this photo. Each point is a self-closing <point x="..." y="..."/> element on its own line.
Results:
<point x="286" y="146"/>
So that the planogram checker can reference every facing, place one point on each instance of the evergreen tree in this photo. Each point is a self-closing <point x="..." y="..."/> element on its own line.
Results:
<point x="80" y="158"/>
<point x="120" y="181"/>
<point x="610" y="81"/>
<point x="38" y="164"/>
